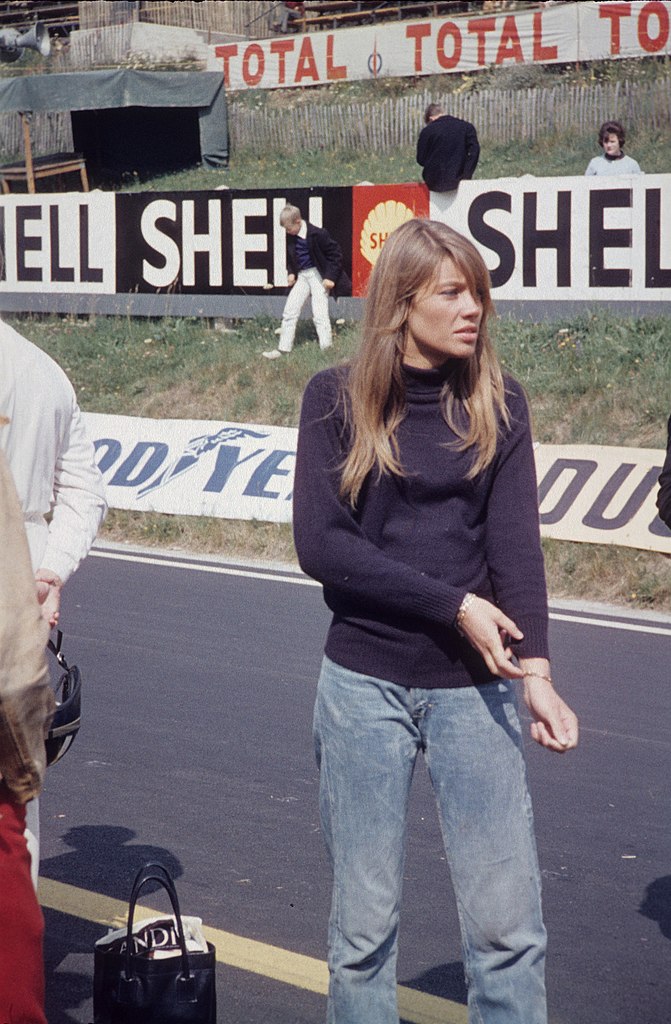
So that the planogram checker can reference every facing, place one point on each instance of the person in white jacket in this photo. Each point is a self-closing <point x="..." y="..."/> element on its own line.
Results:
<point x="52" y="461"/>
<point x="60" y="488"/>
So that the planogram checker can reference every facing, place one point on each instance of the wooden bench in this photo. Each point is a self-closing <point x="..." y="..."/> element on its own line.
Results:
<point x="44" y="167"/>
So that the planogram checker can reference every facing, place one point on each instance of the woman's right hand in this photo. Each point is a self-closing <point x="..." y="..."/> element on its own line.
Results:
<point x="486" y="628"/>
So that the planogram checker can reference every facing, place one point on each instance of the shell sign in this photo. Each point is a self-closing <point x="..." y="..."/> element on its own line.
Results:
<point x="376" y="211"/>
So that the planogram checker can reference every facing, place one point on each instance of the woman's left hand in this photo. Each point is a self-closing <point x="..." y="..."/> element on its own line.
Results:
<point x="554" y="725"/>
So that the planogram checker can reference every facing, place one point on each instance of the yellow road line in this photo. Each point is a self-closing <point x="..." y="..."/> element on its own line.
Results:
<point x="295" y="969"/>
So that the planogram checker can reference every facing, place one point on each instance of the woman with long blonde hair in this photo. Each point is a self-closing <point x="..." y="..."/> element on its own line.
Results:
<point x="415" y="506"/>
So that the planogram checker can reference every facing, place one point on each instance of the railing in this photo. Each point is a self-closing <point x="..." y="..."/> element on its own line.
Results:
<point x="57" y="17"/>
<point x="333" y="14"/>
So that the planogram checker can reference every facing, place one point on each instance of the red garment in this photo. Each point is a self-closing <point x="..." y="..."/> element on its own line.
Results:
<point x="22" y="924"/>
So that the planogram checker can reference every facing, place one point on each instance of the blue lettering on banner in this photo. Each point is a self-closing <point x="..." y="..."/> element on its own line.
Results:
<point x="193" y="451"/>
<point x="227" y="460"/>
<point x="156" y="451"/>
<point x="597" y="518"/>
<point x="148" y="466"/>
<point x="582" y="470"/>
<point x="111" y="453"/>
<point x="262" y="475"/>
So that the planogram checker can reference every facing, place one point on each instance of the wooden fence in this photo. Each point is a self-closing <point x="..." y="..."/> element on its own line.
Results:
<point x="499" y="116"/>
<point x="233" y="17"/>
<point x="50" y="132"/>
<point x="92" y="48"/>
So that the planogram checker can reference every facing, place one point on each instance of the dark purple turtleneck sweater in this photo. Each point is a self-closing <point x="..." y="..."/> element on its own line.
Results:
<point x="396" y="570"/>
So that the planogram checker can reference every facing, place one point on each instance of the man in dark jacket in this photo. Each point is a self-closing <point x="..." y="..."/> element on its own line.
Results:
<point x="447" y="149"/>
<point x="315" y="270"/>
<point x="664" y="495"/>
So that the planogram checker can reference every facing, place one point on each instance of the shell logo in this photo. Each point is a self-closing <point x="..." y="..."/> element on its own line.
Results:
<point x="379" y="224"/>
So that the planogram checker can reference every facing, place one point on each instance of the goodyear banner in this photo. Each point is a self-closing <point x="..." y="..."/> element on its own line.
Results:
<point x="196" y="467"/>
<point x="449" y="45"/>
<point x="601" y="495"/>
<point x="245" y="471"/>
<point x="568" y="239"/>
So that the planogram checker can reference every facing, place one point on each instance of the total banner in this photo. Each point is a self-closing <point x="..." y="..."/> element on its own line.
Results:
<point x="459" y="44"/>
<point x="593" y="494"/>
<point x="606" y="240"/>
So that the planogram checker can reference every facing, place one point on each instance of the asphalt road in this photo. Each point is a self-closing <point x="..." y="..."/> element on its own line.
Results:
<point x="196" y="749"/>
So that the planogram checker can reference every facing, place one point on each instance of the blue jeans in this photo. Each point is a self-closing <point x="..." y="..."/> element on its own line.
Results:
<point x="368" y="733"/>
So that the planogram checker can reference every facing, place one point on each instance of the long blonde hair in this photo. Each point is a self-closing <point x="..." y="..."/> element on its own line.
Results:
<point x="473" y="396"/>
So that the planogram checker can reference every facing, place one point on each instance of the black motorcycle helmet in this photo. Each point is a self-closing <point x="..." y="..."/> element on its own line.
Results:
<point x="67" y="717"/>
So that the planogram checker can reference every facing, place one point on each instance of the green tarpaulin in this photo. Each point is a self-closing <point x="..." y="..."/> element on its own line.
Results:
<point x="114" y="89"/>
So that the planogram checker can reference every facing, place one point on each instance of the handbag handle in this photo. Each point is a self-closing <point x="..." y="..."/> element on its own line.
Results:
<point x="157" y="872"/>
<point x="55" y="649"/>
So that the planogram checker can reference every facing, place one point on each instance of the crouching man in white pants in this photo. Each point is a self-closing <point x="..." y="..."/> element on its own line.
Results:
<point x="315" y="269"/>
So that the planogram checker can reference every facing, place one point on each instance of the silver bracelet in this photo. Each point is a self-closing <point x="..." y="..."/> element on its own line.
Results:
<point x="463" y="608"/>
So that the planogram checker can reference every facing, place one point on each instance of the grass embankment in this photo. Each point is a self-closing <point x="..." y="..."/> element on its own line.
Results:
<point x="597" y="379"/>
<point x="554" y="156"/>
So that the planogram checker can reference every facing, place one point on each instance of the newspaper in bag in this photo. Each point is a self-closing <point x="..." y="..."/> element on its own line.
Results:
<point x="156" y="938"/>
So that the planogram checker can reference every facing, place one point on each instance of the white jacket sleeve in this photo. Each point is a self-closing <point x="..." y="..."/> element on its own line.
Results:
<point x="79" y="503"/>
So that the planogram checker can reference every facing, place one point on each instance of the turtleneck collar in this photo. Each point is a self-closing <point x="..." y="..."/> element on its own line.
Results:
<point x="425" y="385"/>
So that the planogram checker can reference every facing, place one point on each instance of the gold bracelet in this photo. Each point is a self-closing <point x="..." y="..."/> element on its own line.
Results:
<point x="463" y="608"/>
<point x="538" y="675"/>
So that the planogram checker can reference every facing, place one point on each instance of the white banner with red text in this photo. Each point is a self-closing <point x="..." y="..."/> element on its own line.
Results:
<point x="458" y="45"/>
<point x="589" y="493"/>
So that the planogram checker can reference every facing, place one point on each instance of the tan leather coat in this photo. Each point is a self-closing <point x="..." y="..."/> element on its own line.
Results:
<point x="26" y="698"/>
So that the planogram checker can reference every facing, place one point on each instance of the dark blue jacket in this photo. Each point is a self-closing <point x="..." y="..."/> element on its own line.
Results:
<point x="327" y="257"/>
<point x="448" y="150"/>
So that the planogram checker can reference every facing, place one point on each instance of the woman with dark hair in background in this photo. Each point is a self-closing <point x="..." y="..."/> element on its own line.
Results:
<point x="415" y="506"/>
<point x="613" y="160"/>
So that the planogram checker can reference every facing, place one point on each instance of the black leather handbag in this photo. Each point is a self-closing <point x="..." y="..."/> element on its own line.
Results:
<point x="130" y="987"/>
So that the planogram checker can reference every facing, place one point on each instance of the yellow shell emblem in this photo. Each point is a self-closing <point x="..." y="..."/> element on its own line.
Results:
<point x="379" y="224"/>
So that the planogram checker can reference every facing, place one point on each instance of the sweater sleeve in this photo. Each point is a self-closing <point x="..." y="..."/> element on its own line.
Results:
<point x="421" y="147"/>
<point x="472" y="152"/>
<point x="330" y="543"/>
<point x="328" y="255"/>
<point x="664" y="494"/>
<point x="292" y="263"/>
<point x="514" y="553"/>
<point x="79" y="499"/>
